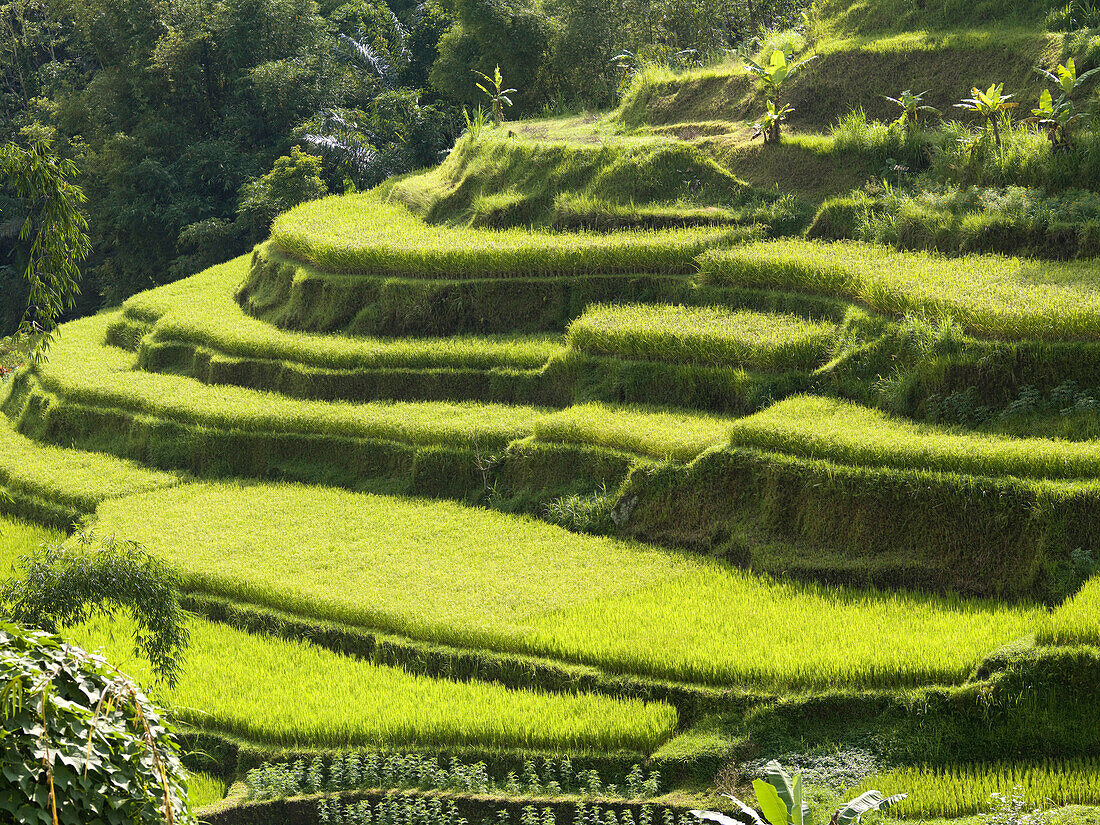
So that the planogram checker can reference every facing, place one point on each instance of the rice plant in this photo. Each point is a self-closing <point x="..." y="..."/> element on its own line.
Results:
<point x="847" y="433"/>
<point x="358" y="770"/>
<point x="445" y="573"/>
<point x="285" y="692"/>
<point x="204" y="789"/>
<point x="367" y="235"/>
<point x="703" y="335"/>
<point x="962" y="790"/>
<point x="414" y="810"/>
<point x="989" y="295"/>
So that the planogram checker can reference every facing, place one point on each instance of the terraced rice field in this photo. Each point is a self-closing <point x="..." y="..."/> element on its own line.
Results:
<point x="366" y="235"/>
<point x="292" y="693"/>
<point x="451" y="574"/>
<point x="988" y="295"/>
<point x="847" y="433"/>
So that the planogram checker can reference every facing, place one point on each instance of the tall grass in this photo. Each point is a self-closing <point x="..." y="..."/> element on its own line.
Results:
<point x="1077" y="620"/>
<point x="201" y="310"/>
<point x="847" y="433"/>
<point x="446" y="573"/>
<point x="679" y="436"/>
<point x="292" y="693"/>
<point x="961" y="790"/>
<point x="365" y="235"/>
<point x="73" y="478"/>
<point x="990" y="295"/>
<point x="703" y="335"/>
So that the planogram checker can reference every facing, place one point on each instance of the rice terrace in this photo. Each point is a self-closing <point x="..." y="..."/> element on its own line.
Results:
<point x="550" y="412"/>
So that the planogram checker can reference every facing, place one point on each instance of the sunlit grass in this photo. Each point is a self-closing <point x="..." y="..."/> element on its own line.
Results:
<point x="703" y="335"/>
<point x="364" y="234"/>
<point x="293" y="693"/>
<point x="847" y="433"/>
<point x="989" y="295"/>
<point x="960" y="790"/>
<point x="445" y="573"/>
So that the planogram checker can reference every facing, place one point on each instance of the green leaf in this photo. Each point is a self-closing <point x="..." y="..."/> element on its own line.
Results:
<point x="775" y="810"/>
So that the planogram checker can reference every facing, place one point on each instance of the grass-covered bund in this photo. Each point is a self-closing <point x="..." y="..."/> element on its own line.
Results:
<point x="622" y="439"/>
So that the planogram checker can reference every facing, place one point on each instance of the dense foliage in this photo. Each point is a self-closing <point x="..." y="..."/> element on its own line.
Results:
<point x="51" y="695"/>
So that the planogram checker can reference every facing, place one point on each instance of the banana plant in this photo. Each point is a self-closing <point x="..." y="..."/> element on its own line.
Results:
<point x="770" y="122"/>
<point x="990" y="106"/>
<point x="778" y="70"/>
<point x="493" y="88"/>
<point x="911" y="106"/>
<point x="781" y="803"/>
<point x="1058" y="116"/>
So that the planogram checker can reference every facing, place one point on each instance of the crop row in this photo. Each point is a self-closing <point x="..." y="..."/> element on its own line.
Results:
<point x="365" y="235"/>
<point x="286" y="692"/>
<point x="441" y="572"/>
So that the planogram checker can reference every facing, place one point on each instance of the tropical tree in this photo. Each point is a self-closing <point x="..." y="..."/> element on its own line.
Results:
<point x="991" y="106"/>
<point x="769" y="124"/>
<point x="52" y="233"/>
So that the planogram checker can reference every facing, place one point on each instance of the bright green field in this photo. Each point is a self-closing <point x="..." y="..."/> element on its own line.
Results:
<point x="364" y="234"/>
<point x="201" y="310"/>
<point x="293" y="693"/>
<point x="442" y="572"/>
<point x="961" y="790"/>
<point x="989" y="295"/>
<point x="650" y="432"/>
<point x="847" y="433"/>
<point x="73" y="477"/>
<point x="702" y="335"/>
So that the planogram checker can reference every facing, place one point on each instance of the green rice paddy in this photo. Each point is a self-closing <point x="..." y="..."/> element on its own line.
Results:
<point x="1077" y="620"/>
<point x="363" y="234"/>
<point x="961" y="790"/>
<point x="445" y="573"/>
<point x="293" y="693"/>
<point x="18" y="538"/>
<point x="703" y="335"/>
<point x="847" y="433"/>
<point x="989" y="295"/>
<point x="203" y="789"/>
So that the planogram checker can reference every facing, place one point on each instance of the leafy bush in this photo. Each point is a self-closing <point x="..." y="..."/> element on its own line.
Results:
<point x="82" y="743"/>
